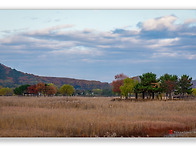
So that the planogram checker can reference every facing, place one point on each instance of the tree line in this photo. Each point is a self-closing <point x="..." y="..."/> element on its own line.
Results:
<point x="148" y="86"/>
<point x="43" y="89"/>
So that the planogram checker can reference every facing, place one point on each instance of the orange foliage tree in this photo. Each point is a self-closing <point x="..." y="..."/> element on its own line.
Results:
<point x="41" y="88"/>
<point x="51" y="89"/>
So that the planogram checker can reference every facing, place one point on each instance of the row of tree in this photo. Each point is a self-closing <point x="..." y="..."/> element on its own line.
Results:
<point x="66" y="90"/>
<point x="148" y="85"/>
<point x="51" y="89"/>
<point x="44" y="89"/>
<point x="5" y="91"/>
<point x="94" y="92"/>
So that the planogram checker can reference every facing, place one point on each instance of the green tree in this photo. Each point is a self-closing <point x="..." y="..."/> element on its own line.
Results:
<point x="168" y="83"/>
<point x="138" y="89"/>
<point x="128" y="87"/>
<point x="184" y="85"/>
<point x="21" y="89"/>
<point x="148" y="84"/>
<point x="97" y="92"/>
<point x="67" y="90"/>
<point x="107" y="92"/>
<point x="194" y="91"/>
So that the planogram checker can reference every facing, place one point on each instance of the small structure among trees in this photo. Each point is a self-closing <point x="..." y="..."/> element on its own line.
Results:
<point x="36" y="90"/>
<point x="149" y="86"/>
<point x="42" y="89"/>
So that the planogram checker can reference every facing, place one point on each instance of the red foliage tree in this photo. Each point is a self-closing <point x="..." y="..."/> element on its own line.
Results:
<point x="32" y="89"/>
<point x="116" y="86"/>
<point x="45" y="89"/>
<point x="120" y="76"/>
<point x="118" y="82"/>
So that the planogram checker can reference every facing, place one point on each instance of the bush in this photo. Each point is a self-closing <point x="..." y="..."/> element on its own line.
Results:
<point x="6" y="92"/>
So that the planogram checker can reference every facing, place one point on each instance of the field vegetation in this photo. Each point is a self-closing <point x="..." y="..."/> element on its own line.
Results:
<point x="94" y="117"/>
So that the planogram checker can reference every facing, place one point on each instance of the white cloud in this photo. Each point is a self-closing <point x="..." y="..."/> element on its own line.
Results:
<point x="131" y="40"/>
<point x="157" y="43"/>
<point x="190" y="56"/>
<point x="189" y="21"/>
<point x="52" y="44"/>
<point x="49" y="30"/>
<point x="165" y="54"/>
<point x="134" y="61"/>
<point x="104" y="46"/>
<point x="21" y="49"/>
<point x="166" y="22"/>
<point x="188" y="33"/>
<point x="92" y="60"/>
<point x="59" y="40"/>
<point x="78" y="50"/>
<point x="29" y="42"/>
<point x="174" y="54"/>
<point x="14" y="39"/>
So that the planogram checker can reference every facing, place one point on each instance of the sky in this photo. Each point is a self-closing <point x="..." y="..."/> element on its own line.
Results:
<point x="98" y="44"/>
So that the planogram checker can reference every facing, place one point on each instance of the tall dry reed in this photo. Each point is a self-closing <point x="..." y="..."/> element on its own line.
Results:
<point x="93" y="117"/>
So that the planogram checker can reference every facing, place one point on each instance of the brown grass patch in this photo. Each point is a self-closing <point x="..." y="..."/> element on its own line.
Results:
<point x="93" y="117"/>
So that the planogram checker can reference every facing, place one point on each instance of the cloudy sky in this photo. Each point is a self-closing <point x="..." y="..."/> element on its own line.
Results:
<point x="98" y="44"/>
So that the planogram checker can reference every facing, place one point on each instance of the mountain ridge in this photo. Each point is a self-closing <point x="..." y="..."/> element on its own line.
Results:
<point x="12" y="78"/>
<point x="194" y="84"/>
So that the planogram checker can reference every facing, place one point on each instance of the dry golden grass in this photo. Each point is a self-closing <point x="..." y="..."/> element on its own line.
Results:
<point x="93" y="117"/>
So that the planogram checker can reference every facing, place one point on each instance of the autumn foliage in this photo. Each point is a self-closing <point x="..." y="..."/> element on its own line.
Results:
<point x="51" y="90"/>
<point x="41" y="88"/>
<point x="32" y="89"/>
<point x="66" y="90"/>
<point x="116" y="86"/>
<point x="118" y="82"/>
<point x="150" y="87"/>
<point x="120" y="76"/>
<point x="12" y="78"/>
<point x="38" y="89"/>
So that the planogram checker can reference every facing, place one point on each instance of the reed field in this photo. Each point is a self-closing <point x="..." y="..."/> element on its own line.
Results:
<point x="94" y="117"/>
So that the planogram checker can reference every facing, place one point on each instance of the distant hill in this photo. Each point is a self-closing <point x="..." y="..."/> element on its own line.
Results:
<point x="13" y="78"/>
<point x="194" y="84"/>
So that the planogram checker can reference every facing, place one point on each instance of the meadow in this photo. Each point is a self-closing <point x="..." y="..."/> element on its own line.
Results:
<point x="94" y="117"/>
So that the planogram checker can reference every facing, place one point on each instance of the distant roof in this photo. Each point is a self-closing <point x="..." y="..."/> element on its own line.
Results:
<point x="137" y="78"/>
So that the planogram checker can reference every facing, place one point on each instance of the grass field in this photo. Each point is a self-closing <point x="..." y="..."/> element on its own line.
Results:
<point x="94" y="117"/>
